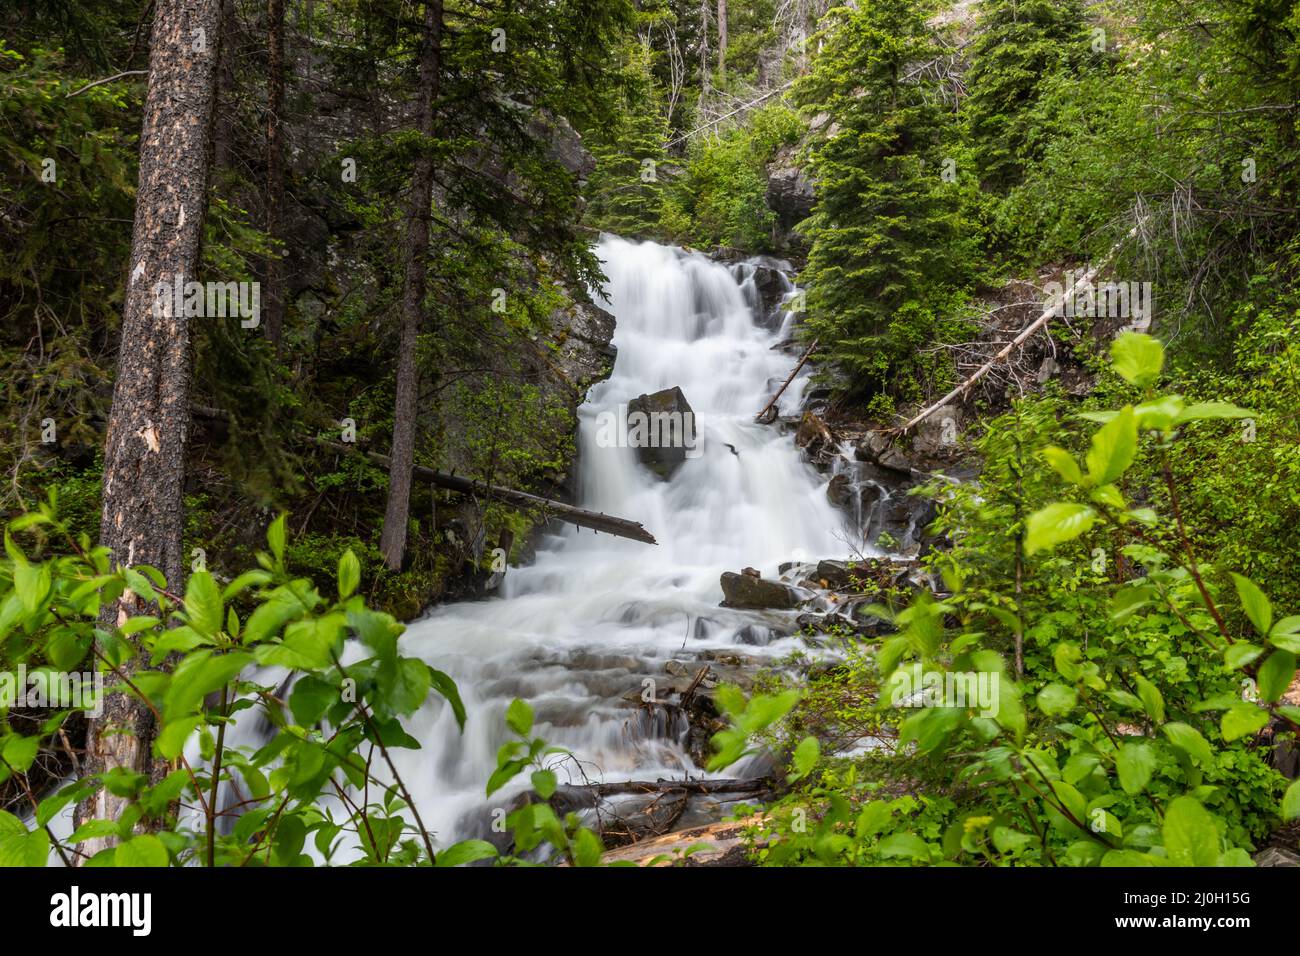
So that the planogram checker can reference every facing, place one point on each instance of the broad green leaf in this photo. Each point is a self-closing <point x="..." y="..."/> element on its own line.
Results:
<point x="174" y="735"/>
<point x="1189" y="740"/>
<point x="904" y="846"/>
<point x="1137" y="358"/>
<point x="1243" y="720"/>
<point x="349" y="574"/>
<point x="519" y="717"/>
<point x="1254" y="603"/>
<point x="587" y="848"/>
<point x="1275" y="675"/>
<point x="197" y="675"/>
<point x="1291" y="801"/>
<point x="1159" y="414"/>
<point x="311" y="697"/>
<point x="1135" y="763"/>
<point x="445" y="686"/>
<point x="1153" y="701"/>
<point x="1190" y="836"/>
<point x="203" y="604"/>
<point x="1288" y="625"/>
<point x="1202" y="410"/>
<point x="145" y="850"/>
<point x="1063" y="463"/>
<point x="1240" y="654"/>
<point x="467" y="851"/>
<point x="20" y="847"/>
<point x="544" y="783"/>
<point x="32" y="582"/>
<point x="1057" y="699"/>
<point x="275" y="536"/>
<point x="805" y="758"/>
<point x="245" y="581"/>
<point x="20" y="752"/>
<point x="1114" y="446"/>
<point x="1056" y="524"/>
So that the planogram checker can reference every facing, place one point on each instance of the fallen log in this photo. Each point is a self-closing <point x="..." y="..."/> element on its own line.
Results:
<point x="1015" y="343"/>
<point x="595" y="520"/>
<point x="781" y="391"/>
<point x="728" y="785"/>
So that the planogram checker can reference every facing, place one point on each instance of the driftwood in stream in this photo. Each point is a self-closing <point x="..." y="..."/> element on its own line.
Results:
<point x="620" y="527"/>
<point x="597" y="521"/>
<point x="771" y="406"/>
<point x="726" y="786"/>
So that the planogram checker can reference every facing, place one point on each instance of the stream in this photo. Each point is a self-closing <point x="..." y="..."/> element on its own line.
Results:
<point x="594" y="616"/>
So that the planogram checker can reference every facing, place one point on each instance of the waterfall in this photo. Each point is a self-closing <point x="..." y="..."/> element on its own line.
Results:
<point x="580" y="629"/>
<point x="578" y="632"/>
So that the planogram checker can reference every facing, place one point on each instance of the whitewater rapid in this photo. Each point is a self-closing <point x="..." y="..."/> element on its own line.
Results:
<point x="582" y="627"/>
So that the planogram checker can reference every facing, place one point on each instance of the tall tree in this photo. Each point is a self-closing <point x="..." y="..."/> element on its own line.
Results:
<point x="415" y="253"/>
<point x="883" y="233"/>
<point x="1017" y="47"/>
<point x="722" y="40"/>
<point x="273" y="270"/>
<point x="144" y="452"/>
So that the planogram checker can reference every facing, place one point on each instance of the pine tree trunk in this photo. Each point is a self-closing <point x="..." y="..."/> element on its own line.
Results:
<point x="415" y="254"/>
<point x="144" y="452"/>
<point x="704" y="46"/>
<point x="223" y="119"/>
<point x="722" y="40"/>
<point x="273" y="270"/>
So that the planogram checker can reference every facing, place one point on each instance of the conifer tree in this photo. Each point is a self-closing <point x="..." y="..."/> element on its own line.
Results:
<point x="1017" y="46"/>
<point x="883" y="233"/>
<point x="626" y="191"/>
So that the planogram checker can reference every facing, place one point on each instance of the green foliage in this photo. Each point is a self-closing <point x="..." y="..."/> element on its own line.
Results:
<point x="626" y="191"/>
<point x="1018" y="45"/>
<point x="1117" y="732"/>
<point x="337" y="726"/>
<point x="721" y="199"/>
<point x="887" y="245"/>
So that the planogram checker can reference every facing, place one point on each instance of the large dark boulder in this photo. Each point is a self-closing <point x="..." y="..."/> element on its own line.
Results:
<point x="790" y="193"/>
<point x="750" y="592"/>
<point x="661" y="427"/>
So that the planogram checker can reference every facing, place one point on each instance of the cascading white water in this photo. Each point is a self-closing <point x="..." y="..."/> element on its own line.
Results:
<point x="579" y="629"/>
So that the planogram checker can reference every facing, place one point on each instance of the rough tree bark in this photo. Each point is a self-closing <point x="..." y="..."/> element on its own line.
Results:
<point x="392" y="543"/>
<point x="272" y="297"/>
<point x="704" y="45"/>
<point x="722" y="40"/>
<point x="144" y="451"/>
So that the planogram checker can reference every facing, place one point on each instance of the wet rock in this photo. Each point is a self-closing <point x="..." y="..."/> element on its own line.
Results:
<point x="816" y="439"/>
<point x="1277" y="856"/>
<point x="826" y="623"/>
<point x="661" y="427"/>
<point x="772" y="286"/>
<point x="880" y="450"/>
<point x="790" y="193"/>
<point x="936" y="437"/>
<point x="756" y="635"/>
<point x="835" y="574"/>
<point x="840" y="490"/>
<point x="747" y="591"/>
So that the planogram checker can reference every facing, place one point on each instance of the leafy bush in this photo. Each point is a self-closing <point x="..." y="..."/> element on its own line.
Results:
<point x="186" y="658"/>
<point x="1128" y="693"/>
